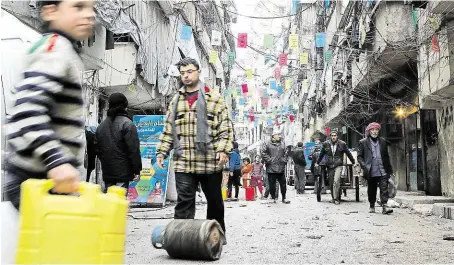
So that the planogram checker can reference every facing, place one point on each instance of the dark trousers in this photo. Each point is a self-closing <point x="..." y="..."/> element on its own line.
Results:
<point x="300" y="178"/>
<point x="280" y="177"/>
<point x="234" y="181"/>
<point x="382" y="183"/>
<point x="124" y="184"/>
<point x="187" y="185"/>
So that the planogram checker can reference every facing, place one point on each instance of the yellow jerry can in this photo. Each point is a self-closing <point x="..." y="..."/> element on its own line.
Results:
<point x="65" y="229"/>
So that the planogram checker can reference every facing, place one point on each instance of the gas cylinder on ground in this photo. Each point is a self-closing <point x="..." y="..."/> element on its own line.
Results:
<point x="190" y="239"/>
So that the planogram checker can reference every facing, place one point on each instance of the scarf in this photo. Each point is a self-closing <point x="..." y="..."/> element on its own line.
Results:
<point x="372" y="126"/>
<point x="202" y="138"/>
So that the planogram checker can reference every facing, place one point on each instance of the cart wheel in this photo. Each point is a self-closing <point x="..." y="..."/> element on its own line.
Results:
<point x="357" y="188"/>
<point x="318" y="184"/>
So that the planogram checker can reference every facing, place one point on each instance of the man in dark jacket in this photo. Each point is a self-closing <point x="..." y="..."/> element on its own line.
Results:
<point x="297" y="154"/>
<point x="275" y="156"/>
<point x="334" y="149"/>
<point x="117" y="145"/>
<point x="235" y="172"/>
<point x="374" y="159"/>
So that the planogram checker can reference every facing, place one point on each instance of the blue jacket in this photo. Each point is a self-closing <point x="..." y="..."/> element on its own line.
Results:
<point x="235" y="160"/>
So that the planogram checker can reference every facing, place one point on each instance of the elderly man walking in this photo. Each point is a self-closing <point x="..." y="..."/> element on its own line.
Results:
<point x="374" y="159"/>
<point x="200" y="132"/>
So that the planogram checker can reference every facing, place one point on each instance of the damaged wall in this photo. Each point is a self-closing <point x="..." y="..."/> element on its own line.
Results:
<point x="445" y="117"/>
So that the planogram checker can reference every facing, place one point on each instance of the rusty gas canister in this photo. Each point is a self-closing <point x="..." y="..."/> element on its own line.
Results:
<point x="190" y="239"/>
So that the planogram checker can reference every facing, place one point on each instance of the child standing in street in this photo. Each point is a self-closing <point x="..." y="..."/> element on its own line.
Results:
<point x="256" y="177"/>
<point x="46" y="129"/>
<point x="246" y="171"/>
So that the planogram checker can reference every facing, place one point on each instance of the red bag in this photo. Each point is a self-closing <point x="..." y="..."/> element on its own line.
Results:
<point x="250" y="194"/>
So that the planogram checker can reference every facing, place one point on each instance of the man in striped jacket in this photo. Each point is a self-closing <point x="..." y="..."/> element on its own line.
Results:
<point x="199" y="131"/>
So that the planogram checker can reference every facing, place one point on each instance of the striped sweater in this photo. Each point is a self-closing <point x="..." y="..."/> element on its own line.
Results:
<point x="220" y="130"/>
<point x="46" y="128"/>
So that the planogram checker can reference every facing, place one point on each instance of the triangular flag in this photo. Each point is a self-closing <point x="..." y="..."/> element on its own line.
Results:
<point x="186" y="32"/>
<point x="288" y="84"/>
<point x="283" y="59"/>
<point x="328" y="57"/>
<point x="216" y="38"/>
<point x="268" y="41"/>
<point x="293" y="41"/>
<point x="304" y="58"/>
<point x="213" y="56"/>
<point x="249" y="73"/>
<point x="242" y="40"/>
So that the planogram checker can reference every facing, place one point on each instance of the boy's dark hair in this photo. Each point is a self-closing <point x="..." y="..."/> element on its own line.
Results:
<point x="235" y="145"/>
<point x="300" y="144"/>
<point x="187" y="61"/>
<point x="47" y="3"/>
<point x="247" y="159"/>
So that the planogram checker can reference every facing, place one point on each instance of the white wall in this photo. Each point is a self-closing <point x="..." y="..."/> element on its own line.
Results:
<point x="119" y="65"/>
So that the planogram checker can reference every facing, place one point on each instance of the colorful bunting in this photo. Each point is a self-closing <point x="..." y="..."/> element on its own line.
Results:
<point x="288" y="84"/>
<point x="268" y="41"/>
<point x="231" y="56"/>
<point x="304" y="58"/>
<point x="328" y="57"/>
<point x="186" y="32"/>
<point x="273" y="84"/>
<point x="295" y="6"/>
<point x="320" y="39"/>
<point x="265" y="101"/>
<point x="213" y="56"/>
<point x="277" y="73"/>
<point x="249" y="74"/>
<point x="242" y="40"/>
<point x="293" y="41"/>
<point x="242" y="101"/>
<point x="280" y="90"/>
<point x="244" y="88"/>
<point x="216" y="38"/>
<point x="435" y="45"/>
<point x="283" y="59"/>
<point x="304" y="85"/>
<point x="434" y="23"/>
<point x="235" y="93"/>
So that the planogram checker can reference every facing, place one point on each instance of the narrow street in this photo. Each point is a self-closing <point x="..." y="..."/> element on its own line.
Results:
<point x="306" y="231"/>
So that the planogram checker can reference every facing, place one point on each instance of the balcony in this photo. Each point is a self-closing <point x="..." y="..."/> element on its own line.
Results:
<point x="392" y="46"/>
<point x="436" y="69"/>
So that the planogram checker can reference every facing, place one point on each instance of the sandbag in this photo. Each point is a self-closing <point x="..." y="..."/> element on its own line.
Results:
<point x="190" y="239"/>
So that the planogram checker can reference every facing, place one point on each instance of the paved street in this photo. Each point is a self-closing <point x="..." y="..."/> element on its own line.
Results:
<point x="306" y="231"/>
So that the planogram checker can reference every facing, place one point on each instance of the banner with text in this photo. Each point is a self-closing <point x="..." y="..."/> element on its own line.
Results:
<point x="151" y="189"/>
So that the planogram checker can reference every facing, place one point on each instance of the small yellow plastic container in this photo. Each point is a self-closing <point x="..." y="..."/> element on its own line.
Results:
<point x="66" y="229"/>
<point x="224" y="193"/>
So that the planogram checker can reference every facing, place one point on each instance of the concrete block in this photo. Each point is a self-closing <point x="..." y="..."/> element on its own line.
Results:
<point x="423" y="209"/>
<point x="410" y="200"/>
<point x="445" y="210"/>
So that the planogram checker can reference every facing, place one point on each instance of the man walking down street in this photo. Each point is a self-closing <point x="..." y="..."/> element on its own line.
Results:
<point x="297" y="154"/>
<point x="373" y="157"/>
<point x="334" y="149"/>
<point x="117" y="145"/>
<point x="275" y="156"/>
<point x="235" y="172"/>
<point x="199" y="130"/>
